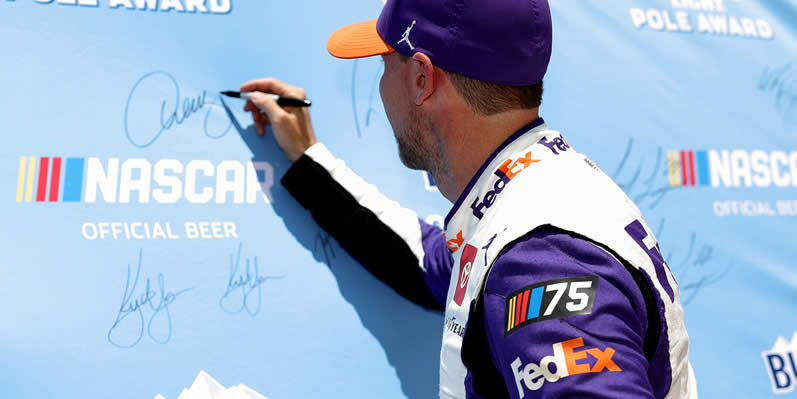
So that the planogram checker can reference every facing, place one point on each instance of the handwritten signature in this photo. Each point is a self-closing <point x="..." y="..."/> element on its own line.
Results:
<point x="241" y="284"/>
<point x="371" y="97"/>
<point x="697" y="268"/>
<point x="781" y="82"/>
<point x="648" y="187"/>
<point x="131" y="316"/>
<point x="647" y="184"/>
<point x="174" y="110"/>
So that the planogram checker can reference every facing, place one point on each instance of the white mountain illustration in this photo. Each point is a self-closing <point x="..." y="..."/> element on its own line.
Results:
<point x="782" y="345"/>
<point x="205" y="387"/>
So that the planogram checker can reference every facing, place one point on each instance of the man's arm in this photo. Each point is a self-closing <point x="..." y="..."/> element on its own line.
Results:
<point x="390" y="241"/>
<point x="561" y="317"/>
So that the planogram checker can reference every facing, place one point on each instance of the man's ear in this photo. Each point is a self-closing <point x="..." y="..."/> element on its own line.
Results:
<point x="423" y="82"/>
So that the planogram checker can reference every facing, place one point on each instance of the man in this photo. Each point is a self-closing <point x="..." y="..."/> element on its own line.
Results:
<point x="552" y="283"/>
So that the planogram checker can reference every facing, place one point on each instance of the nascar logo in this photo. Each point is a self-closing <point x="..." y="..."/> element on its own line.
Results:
<point x="735" y="168"/>
<point x="27" y="167"/>
<point x="550" y="300"/>
<point x="54" y="179"/>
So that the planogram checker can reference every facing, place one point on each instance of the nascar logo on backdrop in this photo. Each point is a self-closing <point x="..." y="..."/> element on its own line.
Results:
<point x="137" y="180"/>
<point x="116" y="180"/>
<point x="701" y="16"/>
<point x="737" y="169"/>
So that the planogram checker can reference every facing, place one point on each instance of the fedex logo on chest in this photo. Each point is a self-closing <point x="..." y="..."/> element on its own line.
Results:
<point x="506" y="172"/>
<point x="557" y="145"/>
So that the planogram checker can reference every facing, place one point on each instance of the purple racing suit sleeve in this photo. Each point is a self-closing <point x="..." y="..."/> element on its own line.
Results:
<point x="437" y="261"/>
<point x="390" y="241"/>
<point x="562" y="317"/>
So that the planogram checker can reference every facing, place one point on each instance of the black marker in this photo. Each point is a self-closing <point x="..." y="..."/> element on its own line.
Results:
<point x="281" y="101"/>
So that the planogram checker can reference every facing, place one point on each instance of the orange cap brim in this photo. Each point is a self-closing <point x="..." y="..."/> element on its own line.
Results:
<point x="357" y="41"/>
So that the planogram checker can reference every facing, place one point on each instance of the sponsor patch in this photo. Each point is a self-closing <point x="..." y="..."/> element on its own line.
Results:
<point x="465" y="269"/>
<point x="781" y="365"/>
<point x="506" y="172"/>
<point x="568" y="358"/>
<point x="548" y="300"/>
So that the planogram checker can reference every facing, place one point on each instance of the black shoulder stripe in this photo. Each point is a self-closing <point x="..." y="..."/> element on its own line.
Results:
<point x="358" y="230"/>
<point x="486" y="379"/>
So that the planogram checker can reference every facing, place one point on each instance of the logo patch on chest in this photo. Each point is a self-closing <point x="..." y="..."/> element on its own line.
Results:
<point x="465" y="269"/>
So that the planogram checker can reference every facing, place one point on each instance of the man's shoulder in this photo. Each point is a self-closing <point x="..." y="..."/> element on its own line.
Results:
<point x="550" y="257"/>
<point x="554" y="297"/>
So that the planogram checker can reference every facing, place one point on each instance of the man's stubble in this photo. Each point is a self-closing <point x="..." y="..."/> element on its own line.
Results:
<point x="419" y="145"/>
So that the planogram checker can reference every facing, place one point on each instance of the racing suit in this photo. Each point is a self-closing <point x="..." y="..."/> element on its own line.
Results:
<point x="556" y="308"/>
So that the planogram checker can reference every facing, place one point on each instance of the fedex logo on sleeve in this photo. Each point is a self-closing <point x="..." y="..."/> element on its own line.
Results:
<point x="567" y="361"/>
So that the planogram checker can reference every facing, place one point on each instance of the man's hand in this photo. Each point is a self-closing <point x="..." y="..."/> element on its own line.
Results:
<point x="291" y="125"/>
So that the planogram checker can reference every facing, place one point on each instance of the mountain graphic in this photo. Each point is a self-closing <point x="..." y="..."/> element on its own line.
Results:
<point x="205" y="387"/>
<point x="782" y="345"/>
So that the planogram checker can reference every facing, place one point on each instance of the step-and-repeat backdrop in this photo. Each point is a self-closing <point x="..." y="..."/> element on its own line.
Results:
<point x="147" y="246"/>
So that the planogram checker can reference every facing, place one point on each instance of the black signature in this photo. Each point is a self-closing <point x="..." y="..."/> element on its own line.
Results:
<point x="156" y="299"/>
<point x="695" y="261"/>
<point x="781" y="82"/>
<point x="241" y="284"/>
<point x="173" y="112"/>
<point x="641" y="187"/>
<point x="697" y="268"/>
<point x="371" y="96"/>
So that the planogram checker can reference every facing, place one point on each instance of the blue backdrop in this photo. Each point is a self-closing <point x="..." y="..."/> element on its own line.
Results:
<point x="146" y="237"/>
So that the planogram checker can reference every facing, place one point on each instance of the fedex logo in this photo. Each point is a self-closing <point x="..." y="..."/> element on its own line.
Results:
<point x="455" y="243"/>
<point x="567" y="360"/>
<point x="136" y="180"/>
<point x="506" y="172"/>
<point x="557" y="145"/>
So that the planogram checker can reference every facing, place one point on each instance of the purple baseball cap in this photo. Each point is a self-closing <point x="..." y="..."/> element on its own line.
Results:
<point x="500" y="41"/>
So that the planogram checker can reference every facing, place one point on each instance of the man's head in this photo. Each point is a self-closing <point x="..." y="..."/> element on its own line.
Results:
<point x="446" y="56"/>
<point x="409" y="82"/>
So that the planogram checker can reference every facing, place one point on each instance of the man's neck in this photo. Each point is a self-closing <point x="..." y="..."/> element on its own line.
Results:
<point x="466" y="143"/>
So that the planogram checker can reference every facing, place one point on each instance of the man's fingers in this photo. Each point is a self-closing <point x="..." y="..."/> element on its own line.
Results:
<point x="271" y="85"/>
<point x="267" y="85"/>
<point x="261" y="118"/>
<point x="257" y="117"/>
<point x="268" y="105"/>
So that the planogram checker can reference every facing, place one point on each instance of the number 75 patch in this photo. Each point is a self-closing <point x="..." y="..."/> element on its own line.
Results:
<point x="548" y="300"/>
